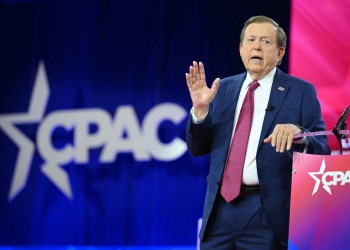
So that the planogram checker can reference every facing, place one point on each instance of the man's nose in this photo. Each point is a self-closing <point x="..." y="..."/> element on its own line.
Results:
<point x="257" y="45"/>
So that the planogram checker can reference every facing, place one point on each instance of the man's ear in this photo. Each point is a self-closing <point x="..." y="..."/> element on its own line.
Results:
<point x="280" y="53"/>
<point x="240" y="49"/>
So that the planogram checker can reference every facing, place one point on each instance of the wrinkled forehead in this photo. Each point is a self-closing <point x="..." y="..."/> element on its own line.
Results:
<point x="261" y="29"/>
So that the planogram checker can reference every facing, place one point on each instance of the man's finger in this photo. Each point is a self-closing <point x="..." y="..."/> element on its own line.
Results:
<point x="215" y="85"/>
<point x="274" y="138"/>
<point x="188" y="80"/>
<point x="201" y="71"/>
<point x="268" y="139"/>
<point x="290" y="141"/>
<point x="284" y="141"/>
<point x="196" y="71"/>
<point x="279" y="138"/>
<point x="191" y="72"/>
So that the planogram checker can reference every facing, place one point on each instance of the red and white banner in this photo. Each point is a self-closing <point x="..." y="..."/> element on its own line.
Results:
<point x="320" y="202"/>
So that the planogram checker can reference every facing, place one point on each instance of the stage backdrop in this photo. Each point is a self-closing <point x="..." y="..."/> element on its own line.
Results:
<point x="319" y="54"/>
<point x="93" y="108"/>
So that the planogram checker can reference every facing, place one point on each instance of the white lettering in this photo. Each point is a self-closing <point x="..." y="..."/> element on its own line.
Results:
<point x="47" y="151"/>
<point x="123" y="134"/>
<point x="324" y="179"/>
<point x="335" y="177"/>
<point x="125" y="121"/>
<point x="346" y="178"/>
<point x="161" y="151"/>
<point x="143" y="142"/>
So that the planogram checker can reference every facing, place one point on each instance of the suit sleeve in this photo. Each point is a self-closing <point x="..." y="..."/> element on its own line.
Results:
<point x="199" y="136"/>
<point x="312" y="121"/>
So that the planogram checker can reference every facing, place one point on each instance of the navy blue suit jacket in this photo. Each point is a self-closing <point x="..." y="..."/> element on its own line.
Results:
<point x="297" y="103"/>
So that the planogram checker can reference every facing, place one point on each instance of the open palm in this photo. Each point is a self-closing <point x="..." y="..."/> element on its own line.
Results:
<point x="201" y="95"/>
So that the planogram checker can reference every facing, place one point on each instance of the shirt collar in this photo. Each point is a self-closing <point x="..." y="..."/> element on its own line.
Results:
<point x="265" y="82"/>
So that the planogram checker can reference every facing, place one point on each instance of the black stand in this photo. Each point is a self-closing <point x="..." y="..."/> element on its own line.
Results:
<point x="341" y="125"/>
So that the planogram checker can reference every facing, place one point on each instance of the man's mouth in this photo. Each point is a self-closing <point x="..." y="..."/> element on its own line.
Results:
<point x="256" y="58"/>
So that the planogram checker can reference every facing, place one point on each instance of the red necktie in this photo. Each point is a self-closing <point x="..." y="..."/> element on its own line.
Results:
<point x="231" y="183"/>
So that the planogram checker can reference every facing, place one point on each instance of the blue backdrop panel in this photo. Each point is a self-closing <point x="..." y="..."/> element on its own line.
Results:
<point x="93" y="108"/>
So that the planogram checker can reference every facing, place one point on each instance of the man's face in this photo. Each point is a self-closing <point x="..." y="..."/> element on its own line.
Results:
<point x="259" y="50"/>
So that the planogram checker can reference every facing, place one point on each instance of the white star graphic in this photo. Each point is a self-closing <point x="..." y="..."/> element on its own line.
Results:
<point x="26" y="147"/>
<point x="318" y="181"/>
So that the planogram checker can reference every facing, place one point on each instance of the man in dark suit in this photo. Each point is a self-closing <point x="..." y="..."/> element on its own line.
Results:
<point x="248" y="123"/>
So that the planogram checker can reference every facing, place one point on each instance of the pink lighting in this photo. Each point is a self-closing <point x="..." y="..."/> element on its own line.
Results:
<point x="320" y="53"/>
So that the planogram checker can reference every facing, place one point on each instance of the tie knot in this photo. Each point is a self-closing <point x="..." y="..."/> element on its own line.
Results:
<point x="253" y="85"/>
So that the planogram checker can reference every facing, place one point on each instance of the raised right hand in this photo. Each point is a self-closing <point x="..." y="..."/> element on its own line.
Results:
<point x="201" y="95"/>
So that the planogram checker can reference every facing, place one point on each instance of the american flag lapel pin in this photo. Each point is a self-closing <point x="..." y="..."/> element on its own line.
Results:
<point x="281" y="88"/>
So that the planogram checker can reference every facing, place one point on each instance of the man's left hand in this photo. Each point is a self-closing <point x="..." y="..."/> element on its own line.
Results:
<point x="282" y="136"/>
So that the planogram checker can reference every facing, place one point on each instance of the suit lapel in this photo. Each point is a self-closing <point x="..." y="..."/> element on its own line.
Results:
<point x="279" y="91"/>
<point x="232" y="92"/>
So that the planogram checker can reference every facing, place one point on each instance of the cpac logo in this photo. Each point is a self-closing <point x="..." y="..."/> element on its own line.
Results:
<point x="141" y="141"/>
<point x="329" y="178"/>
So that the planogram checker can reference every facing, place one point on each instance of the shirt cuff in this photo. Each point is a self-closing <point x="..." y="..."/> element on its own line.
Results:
<point x="197" y="120"/>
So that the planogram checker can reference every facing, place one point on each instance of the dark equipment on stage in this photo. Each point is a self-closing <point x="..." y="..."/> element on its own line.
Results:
<point x="341" y="125"/>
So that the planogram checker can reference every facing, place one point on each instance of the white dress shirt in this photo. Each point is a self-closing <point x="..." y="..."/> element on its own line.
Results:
<point x="261" y="98"/>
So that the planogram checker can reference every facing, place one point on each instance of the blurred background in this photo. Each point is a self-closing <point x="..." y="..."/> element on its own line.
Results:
<point x="94" y="104"/>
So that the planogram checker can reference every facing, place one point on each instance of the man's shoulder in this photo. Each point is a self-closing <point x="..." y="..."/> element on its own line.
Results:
<point x="292" y="79"/>
<point x="231" y="79"/>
